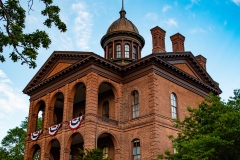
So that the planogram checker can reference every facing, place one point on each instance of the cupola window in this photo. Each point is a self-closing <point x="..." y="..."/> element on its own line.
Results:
<point x="118" y="50"/>
<point x="134" y="56"/>
<point x="110" y="52"/>
<point x="126" y="51"/>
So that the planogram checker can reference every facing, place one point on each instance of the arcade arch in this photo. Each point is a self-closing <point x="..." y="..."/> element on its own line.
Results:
<point x="106" y="101"/>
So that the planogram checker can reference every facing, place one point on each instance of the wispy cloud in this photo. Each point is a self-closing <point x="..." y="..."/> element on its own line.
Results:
<point x="82" y="25"/>
<point x="237" y="2"/>
<point x="171" y="22"/>
<point x="189" y="6"/>
<point x="165" y="8"/>
<point x="11" y="99"/>
<point x="151" y="16"/>
<point x="197" y="30"/>
<point x="225" y="23"/>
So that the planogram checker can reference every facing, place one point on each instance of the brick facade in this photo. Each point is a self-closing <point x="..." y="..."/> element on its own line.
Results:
<point x="125" y="105"/>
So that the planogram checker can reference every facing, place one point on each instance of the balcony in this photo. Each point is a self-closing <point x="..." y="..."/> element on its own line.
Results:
<point x="107" y="121"/>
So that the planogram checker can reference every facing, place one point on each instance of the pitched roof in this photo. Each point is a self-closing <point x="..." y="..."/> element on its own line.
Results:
<point x="81" y="60"/>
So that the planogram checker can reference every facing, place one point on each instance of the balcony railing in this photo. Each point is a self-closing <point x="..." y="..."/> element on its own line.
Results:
<point x="107" y="121"/>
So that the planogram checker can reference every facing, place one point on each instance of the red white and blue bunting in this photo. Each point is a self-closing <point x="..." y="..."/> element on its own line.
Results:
<point x="53" y="129"/>
<point x="35" y="135"/>
<point x="75" y="123"/>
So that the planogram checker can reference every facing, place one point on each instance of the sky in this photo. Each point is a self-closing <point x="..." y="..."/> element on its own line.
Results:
<point x="211" y="28"/>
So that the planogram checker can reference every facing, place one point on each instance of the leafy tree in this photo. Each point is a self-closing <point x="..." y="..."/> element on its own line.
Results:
<point x="4" y="154"/>
<point x="14" y="142"/>
<point x="91" y="154"/>
<point x="210" y="132"/>
<point x="25" y="45"/>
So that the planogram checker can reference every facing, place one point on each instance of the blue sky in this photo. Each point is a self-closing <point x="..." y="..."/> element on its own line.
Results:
<point x="211" y="28"/>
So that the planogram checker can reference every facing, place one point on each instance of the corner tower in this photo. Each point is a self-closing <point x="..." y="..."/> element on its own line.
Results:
<point x="122" y="43"/>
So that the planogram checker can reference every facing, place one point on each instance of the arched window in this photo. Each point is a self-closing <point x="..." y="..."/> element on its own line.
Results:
<point x="105" y="109"/>
<point x="110" y="52"/>
<point x="173" y="106"/>
<point x="126" y="51"/>
<point x="136" y="150"/>
<point x="105" y="152"/>
<point x="118" y="50"/>
<point x="135" y="104"/>
<point x="134" y="56"/>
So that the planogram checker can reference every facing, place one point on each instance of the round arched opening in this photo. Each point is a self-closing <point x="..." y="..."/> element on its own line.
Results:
<point x="106" y="143"/>
<point x="79" y="100"/>
<point x="76" y="144"/>
<point x="55" y="149"/>
<point x="35" y="152"/>
<point x="58" y="109"/>
<point x="106" y="103"/>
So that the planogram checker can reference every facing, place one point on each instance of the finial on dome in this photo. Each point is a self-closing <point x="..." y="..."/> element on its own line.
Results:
<point x="122" y="12"/>
<point x="122" y="4"/>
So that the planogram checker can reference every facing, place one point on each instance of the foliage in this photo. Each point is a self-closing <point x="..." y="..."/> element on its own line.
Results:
<point x="25" y="45"/>
<point x="14" y="142"/>
<point x="91" y="154"/>
<point x="210" y="132"/>
<point x="4" y="155"/>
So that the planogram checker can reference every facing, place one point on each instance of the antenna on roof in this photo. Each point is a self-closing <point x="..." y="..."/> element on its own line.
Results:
<point x="122" y="12"/>
<point x="122" y="4"/>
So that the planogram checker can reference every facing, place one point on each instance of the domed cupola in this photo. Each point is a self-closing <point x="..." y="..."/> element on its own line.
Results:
<point x="122" y="43"/>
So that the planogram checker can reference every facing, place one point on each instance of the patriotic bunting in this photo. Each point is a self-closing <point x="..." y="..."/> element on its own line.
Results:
<point x="75" y="123"/>
<point x="35" y="135"/>
<point x="53" y="129"/>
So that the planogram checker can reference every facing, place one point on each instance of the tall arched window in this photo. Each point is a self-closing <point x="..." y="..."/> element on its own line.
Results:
<point x="135" y="104"/>
<point x="118" y="48"/>
<point x="126" y="51"/>
<point x="110" y="52"/>
<point x="136" y="149"/>
<point x="173" y="106"/>
<point x="134" y="56"/>
<point x="105" y="109"/>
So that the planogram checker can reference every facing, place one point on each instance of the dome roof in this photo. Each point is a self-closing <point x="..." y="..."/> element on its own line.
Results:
<point x="122" y="24"/>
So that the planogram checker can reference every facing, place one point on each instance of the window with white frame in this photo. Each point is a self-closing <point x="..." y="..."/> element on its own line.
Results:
<point x="126" y="51"/>
<point x="136" y="150"/>
<point x="173" y="106"/>
<point x="135" y="97"/>
<point x="118" y="48"/>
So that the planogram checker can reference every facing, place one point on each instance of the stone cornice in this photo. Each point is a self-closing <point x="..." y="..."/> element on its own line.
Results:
<point x="124" y="74"/>
<point x="136" y="36"/>
<point x="56" y="56"/>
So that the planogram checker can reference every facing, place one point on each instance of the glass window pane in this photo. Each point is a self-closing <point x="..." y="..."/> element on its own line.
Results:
<point x="134" y="151"/>
<point x="137" y="114"/>
<point x="138" y="150"/>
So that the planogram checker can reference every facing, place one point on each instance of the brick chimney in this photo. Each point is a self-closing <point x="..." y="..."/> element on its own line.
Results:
<point x="158" y="39"/>
<point x="202" y="60"/>
<point x="177" y="42"/>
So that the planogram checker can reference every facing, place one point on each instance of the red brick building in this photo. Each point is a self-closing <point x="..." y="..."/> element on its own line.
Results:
<point x="128" y="102"/>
